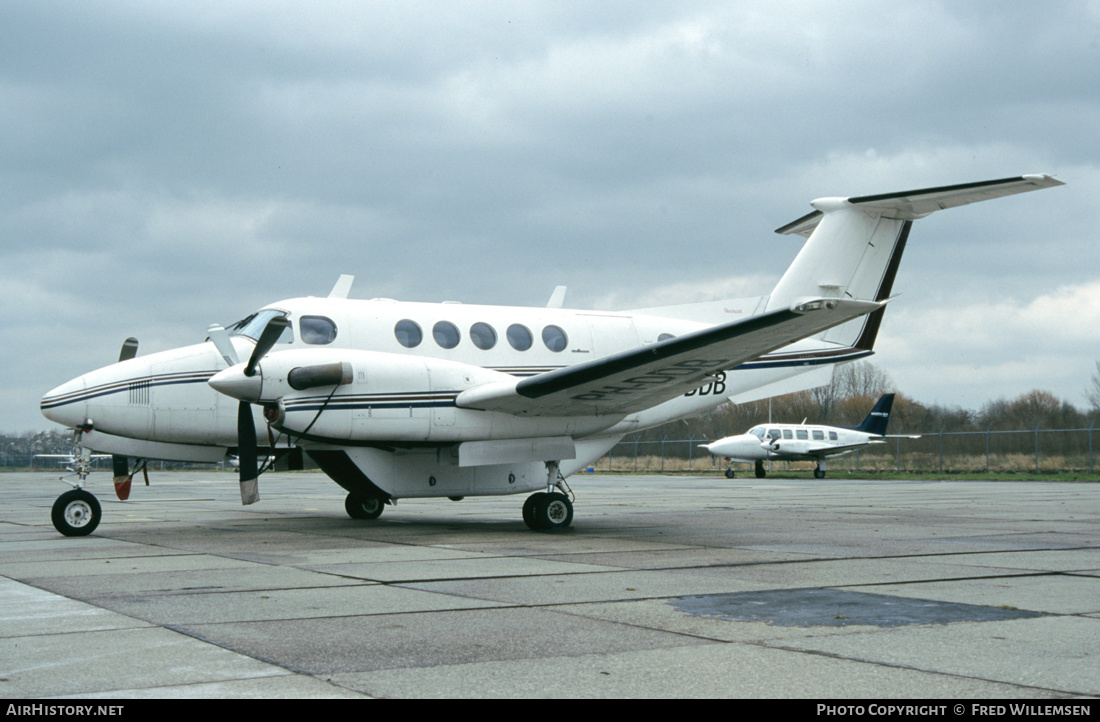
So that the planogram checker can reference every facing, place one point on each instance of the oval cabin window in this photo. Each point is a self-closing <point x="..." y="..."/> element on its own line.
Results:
<point x="408" y="333"/>
<point x="446" y="334"/>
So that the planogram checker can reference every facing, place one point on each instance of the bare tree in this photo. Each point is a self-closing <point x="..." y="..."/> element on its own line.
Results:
<point x="1092" y="393"/>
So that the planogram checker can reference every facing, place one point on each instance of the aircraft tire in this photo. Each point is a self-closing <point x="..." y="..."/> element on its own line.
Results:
<point x="529" y="510"/>
<point x="760" y="471"/>
<point x="548" y="512"/>
<point x="76" y="513"/>
<point x="360" y="506"/>
<point x="729" y="473"/>
<point x="819" y="474"/>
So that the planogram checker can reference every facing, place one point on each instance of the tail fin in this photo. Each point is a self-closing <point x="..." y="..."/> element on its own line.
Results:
<point x="855" y="244"/>
<point x="875" y="422"/>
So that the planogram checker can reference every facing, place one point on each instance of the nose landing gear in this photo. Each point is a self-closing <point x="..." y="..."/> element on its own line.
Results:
<point x="76" y="513"/>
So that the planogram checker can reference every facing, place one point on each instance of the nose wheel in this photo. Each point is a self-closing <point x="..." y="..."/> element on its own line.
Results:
<point x="76" y="513"/>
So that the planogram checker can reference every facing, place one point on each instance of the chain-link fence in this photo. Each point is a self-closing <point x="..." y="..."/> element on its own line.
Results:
<point x="1036" y="451"/>
<point x="1033" y="451"/>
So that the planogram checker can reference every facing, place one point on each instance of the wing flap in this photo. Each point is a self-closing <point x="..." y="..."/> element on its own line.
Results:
<point x="635" y="380"/>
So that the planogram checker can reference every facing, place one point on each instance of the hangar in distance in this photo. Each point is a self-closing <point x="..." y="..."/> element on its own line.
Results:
<point x="397" y="400"/>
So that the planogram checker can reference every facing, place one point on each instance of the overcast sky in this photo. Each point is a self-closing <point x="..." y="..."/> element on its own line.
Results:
<point x="164" y="166"/>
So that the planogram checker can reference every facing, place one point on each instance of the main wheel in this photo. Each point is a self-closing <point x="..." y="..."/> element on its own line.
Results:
<point x="729" y="473"/>
<point x="76" y="513"/>
<point x="361" y="506"/>
<point x="819" y="474"/>
<point x="548" y="512"/>
<point x="760" y="471"/>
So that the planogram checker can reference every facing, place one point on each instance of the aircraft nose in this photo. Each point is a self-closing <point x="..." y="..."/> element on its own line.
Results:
<point x="66" y="404"/>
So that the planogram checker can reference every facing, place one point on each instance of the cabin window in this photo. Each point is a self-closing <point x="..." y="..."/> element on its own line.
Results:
<point x="483" y="335"/>
<point x="803" y="434"/>
<point x="554" y="338"/>
<point x="316" y="330"/>
<point x="819" y="435"/>
<point x="408" y="333"/>
<point x="832" y="436"/>
<point x="446" y="334"/>
<point x="788" y="434"/>
<point x="519" y="337"/>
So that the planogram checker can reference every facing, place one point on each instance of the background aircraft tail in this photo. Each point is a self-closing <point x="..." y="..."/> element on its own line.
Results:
<point x="875" y="422"/>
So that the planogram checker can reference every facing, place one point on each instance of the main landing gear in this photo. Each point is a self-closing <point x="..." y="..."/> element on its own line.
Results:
<point x="363" y="506"/>
<point x="549" y="510"/>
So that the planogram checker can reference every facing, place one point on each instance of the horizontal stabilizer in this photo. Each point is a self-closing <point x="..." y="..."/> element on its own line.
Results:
<point x="911" y="205"/>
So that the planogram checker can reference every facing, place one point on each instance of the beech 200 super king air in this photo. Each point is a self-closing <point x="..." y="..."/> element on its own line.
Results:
<point x="802" y="442"/>
<point x="403" y="400"/>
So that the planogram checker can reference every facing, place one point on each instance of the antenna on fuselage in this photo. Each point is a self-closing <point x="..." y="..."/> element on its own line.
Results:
<point x="342" y="287"/>
<point x="557" y="298"/>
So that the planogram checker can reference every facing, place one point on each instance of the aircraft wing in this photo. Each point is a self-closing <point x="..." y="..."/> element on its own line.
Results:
<point x="639" y="379"/>
<point x="837" y="449"/>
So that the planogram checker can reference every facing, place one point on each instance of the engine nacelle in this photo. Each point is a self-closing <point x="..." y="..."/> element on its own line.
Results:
<point x="347" y="395"/>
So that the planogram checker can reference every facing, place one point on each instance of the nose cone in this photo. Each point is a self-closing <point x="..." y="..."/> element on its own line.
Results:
<point x="743" y="446"/>
<point x="66" y="404"/>
<point x="233" y="383"/>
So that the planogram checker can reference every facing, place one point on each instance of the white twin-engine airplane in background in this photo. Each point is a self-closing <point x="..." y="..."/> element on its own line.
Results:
<point x="802" y="442"/>
<point x="401" y="400"/>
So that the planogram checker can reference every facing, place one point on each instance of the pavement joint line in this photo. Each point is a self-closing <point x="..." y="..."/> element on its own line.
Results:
<point x="912" y="668"/>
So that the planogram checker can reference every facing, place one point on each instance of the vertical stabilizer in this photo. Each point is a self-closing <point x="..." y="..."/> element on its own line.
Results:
<point x="875" y="422"/>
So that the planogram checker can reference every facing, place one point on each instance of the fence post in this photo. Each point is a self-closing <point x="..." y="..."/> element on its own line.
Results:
<point x="941" y="448"/>
<point x="1036" y="448"/>
<point x="987" y="430"/>
<point x="1091" y="424"/>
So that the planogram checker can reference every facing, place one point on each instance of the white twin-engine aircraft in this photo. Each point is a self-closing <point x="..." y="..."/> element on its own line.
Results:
<point x="402" y="400"/>
<point x="802" y="442"/>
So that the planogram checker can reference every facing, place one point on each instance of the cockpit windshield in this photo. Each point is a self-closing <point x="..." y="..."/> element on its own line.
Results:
<point x="254" y="325"/>
<point x="757" y="431"/>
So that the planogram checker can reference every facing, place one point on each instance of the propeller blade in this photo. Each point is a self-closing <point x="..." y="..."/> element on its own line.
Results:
<point x="271" y="334"/>
<point x="120" y="463"/>
<point x="129" y="349"/>
<point x="246" y="454"/>
<point x="221" y="342"/>
<point x="122" y="476"/>
<point x="308" y="377"/>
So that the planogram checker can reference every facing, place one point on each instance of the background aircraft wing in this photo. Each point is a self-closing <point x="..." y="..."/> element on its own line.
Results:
<point x="639" y="379"/>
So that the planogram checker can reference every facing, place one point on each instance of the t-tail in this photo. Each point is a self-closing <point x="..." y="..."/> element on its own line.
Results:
<point x="875" y="422"/>
<point x="854" y="246"/>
